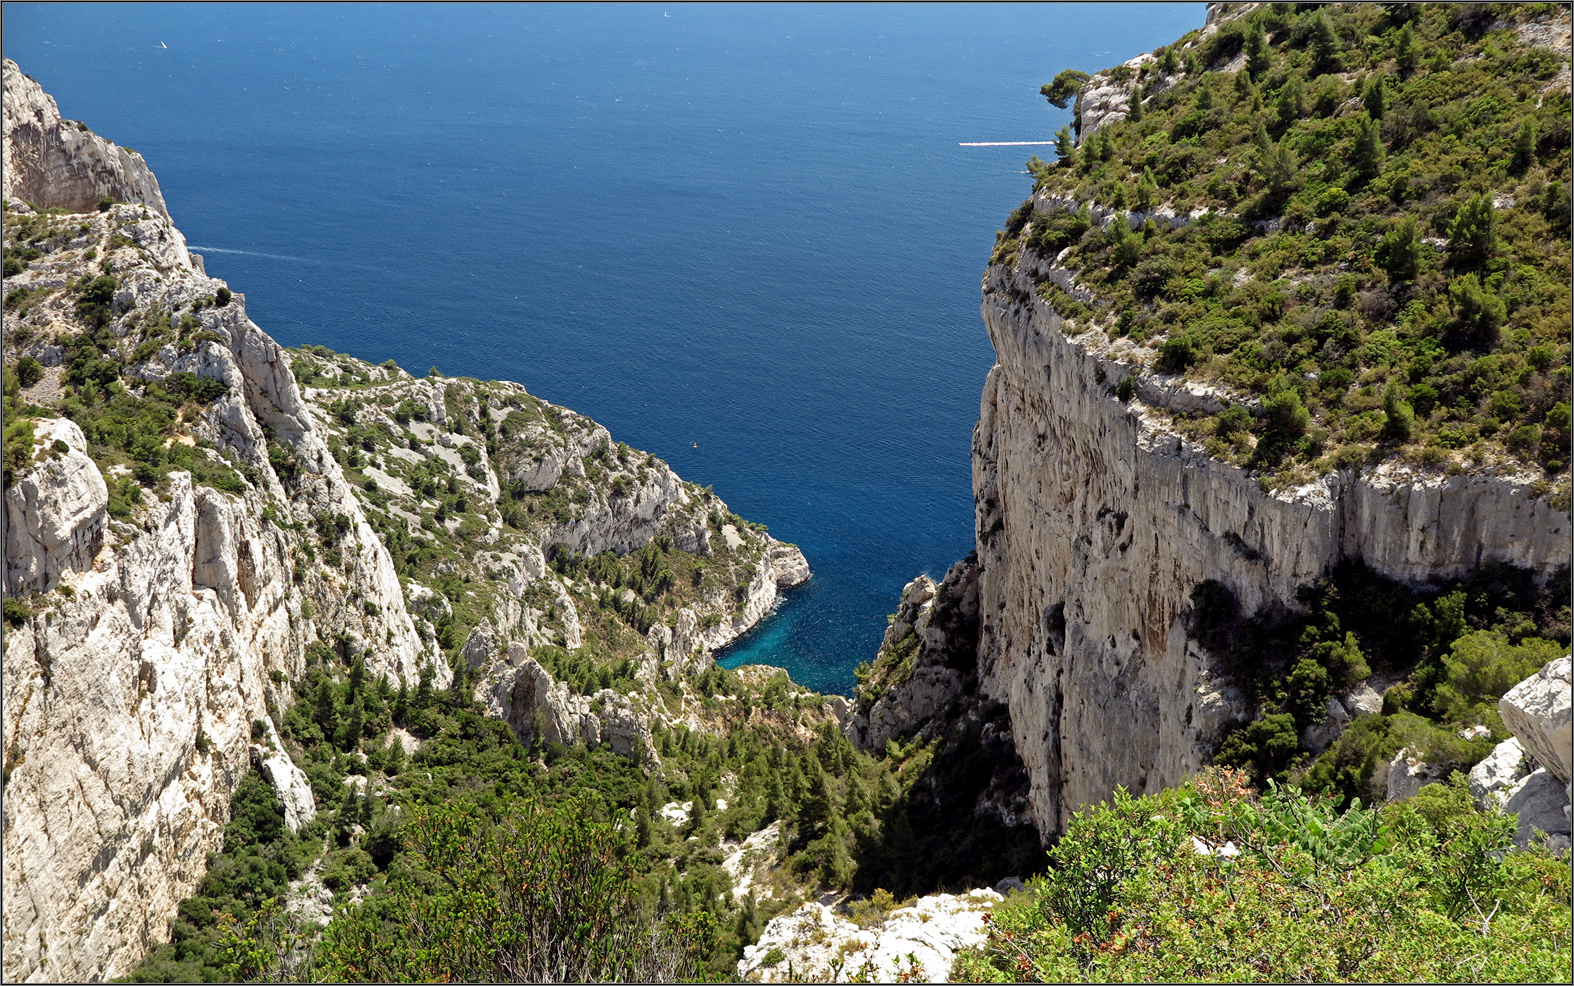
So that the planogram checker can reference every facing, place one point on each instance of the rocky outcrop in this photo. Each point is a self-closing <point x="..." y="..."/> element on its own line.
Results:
<point x="915" y="943"/>
<point x="788" y="565"/>
<point x="1095" y="522"/>
<point x="160" y="636"/>
<point x="55" y="513"/>
<point x="1504" y="767"/>
<point x="781" y="566"/>
<point x="523" y="694"/>
<point x="1527" y="774"/>
<point x="1361" y="700"/>
<point x="50" y="162"/>
<point x="163" y="619"/>
<point x="1403" y="776"/>
<point x="1536" y="711"/>
<point x="924" y="662"/>
<point x="540" y="482"/>
<point x="288" y="780"/>
<point x="1539" y="803"/>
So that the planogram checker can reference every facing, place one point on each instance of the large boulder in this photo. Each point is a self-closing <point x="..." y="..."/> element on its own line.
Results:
<point x="1537" y="712"/>
<point x="1504" y="767"/>
<point x="1539" y="802"/>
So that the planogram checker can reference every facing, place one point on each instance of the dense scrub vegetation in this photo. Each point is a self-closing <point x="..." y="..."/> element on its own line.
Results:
<point x="1212" y="882"/>
<point x="473" y="812"/>
<point x="1449" y="653"/>
<point x="1376" y="260"/>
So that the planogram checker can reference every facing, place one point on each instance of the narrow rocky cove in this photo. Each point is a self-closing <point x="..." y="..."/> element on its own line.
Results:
<point x="292" y="638"/>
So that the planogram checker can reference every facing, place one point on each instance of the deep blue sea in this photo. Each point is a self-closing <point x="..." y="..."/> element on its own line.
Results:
<point x="743" y="238"/>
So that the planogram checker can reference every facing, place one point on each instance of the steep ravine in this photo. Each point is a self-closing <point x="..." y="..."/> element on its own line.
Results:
<point x="157" y="620"/>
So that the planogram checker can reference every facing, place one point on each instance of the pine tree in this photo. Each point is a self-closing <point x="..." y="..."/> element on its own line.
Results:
<point x="642" y="827"/>
<point x="1525" y="146"/>
<point x="1244" y="90"/>
<point x="1291" y="105"/>
<point x="325" y="706"/>
<point x="1147" y="191"/>
<point x="1367" y="155"/>
<point x="1472" y="236"/>
<point x="1375" y="98"/>
<point x="1399" y="251"/>
<point x="698" y="813"/>
<point x="1257" y="52"/>
<point x="819" y="808"/>
<point x="1405" y="53"/>
<point x="1065" y="146"/>
<point x="1325" y="46"/>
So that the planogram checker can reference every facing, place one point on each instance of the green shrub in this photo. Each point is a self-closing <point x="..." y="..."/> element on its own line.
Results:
<point x="1232" y="421"/>
<point x="1176" y="354"/>
<point x="95" y="302"/>
<point x="1399" y="414"/>
<point x="1472" y="236"/>
<point x="1481" y="667"/>
<point x="16" y="612"/>
<point x="1286" y="413"/>
<point x="29" y="371"/>
<point x="1139" y="892"/>
<point x="19" y="440"/>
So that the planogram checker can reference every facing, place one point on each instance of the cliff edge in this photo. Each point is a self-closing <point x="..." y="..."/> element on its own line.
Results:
<point x="1124" y="331"/>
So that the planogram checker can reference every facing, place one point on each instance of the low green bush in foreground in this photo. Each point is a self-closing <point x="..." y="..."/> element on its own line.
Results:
<point x="1212" y="882"/>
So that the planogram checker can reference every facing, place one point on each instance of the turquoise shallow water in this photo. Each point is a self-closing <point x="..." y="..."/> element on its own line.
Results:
<point x="743" y="238"/>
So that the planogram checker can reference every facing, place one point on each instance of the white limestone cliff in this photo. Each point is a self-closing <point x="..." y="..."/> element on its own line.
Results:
<point x="1537" y="712"/>
<point x="924" y="660"/>
<point x="55" y="513"/>
<point x="1535" y="791"/>
<point x="53" y="162"/>
<point x="1095" y="522"/>
<point x="158" y="640"/>
<point x="536" y="707"/>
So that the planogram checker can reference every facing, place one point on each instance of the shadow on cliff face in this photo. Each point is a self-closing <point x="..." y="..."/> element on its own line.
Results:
<point x="1368" y="666"/>
<point x="964" y="820"/>
<point x="964" y="823"/>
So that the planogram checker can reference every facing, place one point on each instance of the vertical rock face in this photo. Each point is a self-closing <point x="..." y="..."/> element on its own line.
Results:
<point x="924" y="662"/>
<point x="53" y="162"/>
<point x="1095" y="523"/>
<point x="1537" y="711"/>
<point x="521" y="693"/>
<point x="55" y="514"/>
